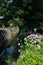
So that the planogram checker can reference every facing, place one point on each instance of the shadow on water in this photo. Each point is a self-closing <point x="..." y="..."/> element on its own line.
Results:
<point x="5" y="53"/>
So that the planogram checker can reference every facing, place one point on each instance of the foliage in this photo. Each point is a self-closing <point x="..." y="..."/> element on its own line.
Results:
<point x="34" y="38"/>
<point x="31" y="56"/>
<point x="27" y="13"/>
<point x="9" y="60"/>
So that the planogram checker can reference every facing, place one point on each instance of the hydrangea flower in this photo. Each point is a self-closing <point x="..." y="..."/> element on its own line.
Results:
<point x="34" y="38"/>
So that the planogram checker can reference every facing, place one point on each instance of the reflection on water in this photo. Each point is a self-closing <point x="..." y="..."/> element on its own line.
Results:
<point x="8" y="51"/>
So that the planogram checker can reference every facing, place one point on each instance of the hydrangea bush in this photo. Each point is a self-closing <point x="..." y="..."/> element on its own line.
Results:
<point x="34" y="38"/>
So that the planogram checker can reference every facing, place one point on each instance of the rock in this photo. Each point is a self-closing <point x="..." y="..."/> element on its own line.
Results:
<point x="6" y="35"/>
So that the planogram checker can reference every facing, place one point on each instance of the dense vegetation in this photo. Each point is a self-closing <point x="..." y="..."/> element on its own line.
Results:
<point x="32" y="55"/>
<point x="27" y="15"/>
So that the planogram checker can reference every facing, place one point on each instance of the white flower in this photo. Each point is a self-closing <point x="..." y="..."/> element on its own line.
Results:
<point x="19" y="50"/>
<point x="35" y="29"/>
<point x="1" y="17"/>
<point x="32" y="42"/>
<point x="35" y="41"/>
<point x="38" y="46"/>
<point x="25" y="39"/>
<point x="28" y="36"/>
<point x="18" y="44"/>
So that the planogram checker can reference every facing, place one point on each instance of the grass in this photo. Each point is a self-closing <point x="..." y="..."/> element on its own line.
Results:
<point x="31" y="56"/>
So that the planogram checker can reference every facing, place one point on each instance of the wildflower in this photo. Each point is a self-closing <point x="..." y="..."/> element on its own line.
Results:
<point x="18" y="44"/>
<point x="35" y="41"/>
<point x="25" y="39"/>
<point x="1" y="17"/>
<point x="35" y="29"/>
<point x="28" y="36"/>
<point x="38" y="46"/>
<point x="19" y="50"/>
<point x="32" y="42"/>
